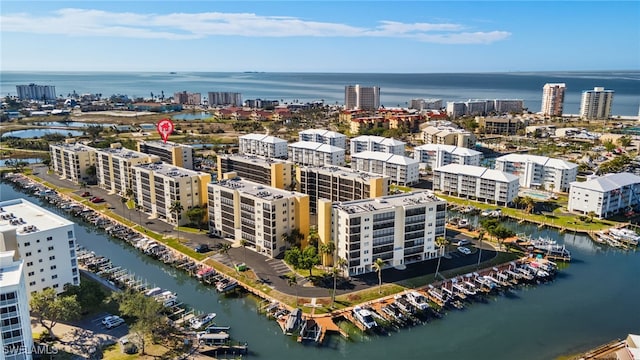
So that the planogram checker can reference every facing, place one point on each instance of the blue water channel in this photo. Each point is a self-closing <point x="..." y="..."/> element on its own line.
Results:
<point x="592" y="301"/>
<point x="33" y="133"/>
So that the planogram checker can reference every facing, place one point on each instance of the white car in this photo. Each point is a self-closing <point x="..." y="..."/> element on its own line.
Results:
<point x="464" y="250"/>
<point x="112" y="321"/>
<point x="463" y="242"/>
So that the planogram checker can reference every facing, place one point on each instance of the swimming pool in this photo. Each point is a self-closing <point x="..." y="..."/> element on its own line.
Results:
<point x="536" y="195"/>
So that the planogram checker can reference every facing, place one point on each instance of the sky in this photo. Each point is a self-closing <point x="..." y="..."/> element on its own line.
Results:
<point x="319" y="36"/>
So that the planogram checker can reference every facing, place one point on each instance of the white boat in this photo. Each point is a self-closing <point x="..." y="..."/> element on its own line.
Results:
<point x="199" y="322"/>
<point x="418" y="300"/>
<point x="365" y="317"/>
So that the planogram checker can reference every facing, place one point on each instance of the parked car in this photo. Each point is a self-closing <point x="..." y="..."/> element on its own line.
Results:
<point x="96" y="200"/>
<point x="202" y="248"/>
<point x="464" y="250"/>
<point x="86" y="194"/>
<point x="462" y="242"/>
<point x="112" y="321"/>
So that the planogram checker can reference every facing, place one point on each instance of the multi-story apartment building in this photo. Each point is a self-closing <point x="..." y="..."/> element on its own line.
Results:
<point x="157" y="186"/>
<point x="324" y="136"/>
<point x="71" y="160"/>
<point x="361" y="97"/>
<point x="16" y="341"/>
<point x="262" y="145"/>
<point x="316" y="154"/>
<point x="224" y="98"/>
<point x="503" y="125"/>
<point x="596" y="103"/>
<point x="261" y="215"/>
<point x="266" y="171"/>
<point x="36" y="92"/>
<point x="169" y="152"/>
<point x="424" y="104"/>
<point x="476" y="182"/>
<point x="448" y="135"/>
<point x="553" y="99"/>
<point x="339" y="184"/>
<point x="376" y="143"/>
<point x="401" y="170"/>
<point x="113" y="167"/>
<point x="539" y="171"/>
<point x="399" y="229"/>
<point x="483" y="107"/>
<point x="45" y="241"/>
<point x="433" y="156"/>
<point x="606" y="195"/>
<point x="186" y="98"/>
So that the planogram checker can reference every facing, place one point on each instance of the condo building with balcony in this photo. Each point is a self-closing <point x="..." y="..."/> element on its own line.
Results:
<point x="170" y="152"/>
<point x="157" y="186"/>
<point x="433" y="156"/>
<point x="361" y="97"/>
<point x="16" y="341"/>
<point x="260" y="215"/>
<point x="263" y="145"/>
<point x="596" y="104"/>
<point x="335" y="183"/>
<point x="71" y="160"/>
<point x="476" y="183"/>
<point x="316" y="154"/>
<point x="376" y="143"/>
<point x="539" y="171"/>
<point x="553" y="99"/>
<point x="266" y="171"/>
<point x="113" y="167"/>
<point x="399" y="229"/>
<point x="605" y="195"/>
<point x="45" y="242"/>
<point x="401" y="170"/>
<point x="448" y="135"/>
<point x="324" y="136"/>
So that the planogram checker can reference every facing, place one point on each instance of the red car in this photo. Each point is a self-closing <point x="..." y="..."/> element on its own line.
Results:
<point x="96" y="200"/>
<point x="86" y="194"/>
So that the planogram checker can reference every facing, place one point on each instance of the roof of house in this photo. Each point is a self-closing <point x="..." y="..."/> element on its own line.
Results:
<point x="456" y="150"/>
<point x="608" y="182"/>
<point x="478" y="171"/>
<point x="386" y="157"/>
<point x="316" y="146"/>
<point x="540" y="160"/>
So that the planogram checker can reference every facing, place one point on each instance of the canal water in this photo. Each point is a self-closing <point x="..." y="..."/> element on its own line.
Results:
<point x="592" y="301"/>
<point x="33" y="133"/>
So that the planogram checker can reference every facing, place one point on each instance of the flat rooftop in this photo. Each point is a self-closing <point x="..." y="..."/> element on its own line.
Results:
<point x="75" y="147"/>
<point x="123" y="153"/>
<point x="10" y="270"/>
<point x="257" y="190"/>
<point x="170" y="170"/>
<point x="27" y="217"/>
<point x="255" y="159"/>
<point x="387" y="202"/>
<point x="164" y="145"/>
<point x="343" y="172"/>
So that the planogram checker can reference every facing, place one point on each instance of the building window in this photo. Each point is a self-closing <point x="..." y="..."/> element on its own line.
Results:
<point x="27" y="244"/>
<point x="55" y="286"/>
<point x="32" y="283"/>
<point x="52" y="257"/>
<point x="31" y="273"/>
<point x="28" y="253"/>
<point x="50" y="248"/>
<point x="30" y="263"/>
<point x="53" y="267"/>
<point x="70" y="243"/>
<point x="53" y="277"/>
<point x="70" y="234"/>
<point x="50" y="238"/>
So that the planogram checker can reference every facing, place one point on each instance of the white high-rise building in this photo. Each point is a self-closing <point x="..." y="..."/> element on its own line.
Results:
<point x="376" y="143"/>
<point x="16" y="340"/>
<point x="36" y="92"/>
<point x="316" y="154"/>
<point x="434" y="155"/>
<point x="399" y="229"/>
<point x="113" y="167"/>
<point x="361" y="97"/>
<point x="402" y="170"/>
<point x="476" y="182"/>
<point x="605" y="195"/>
<point x="45" y="241"/>
<point x="553" y="99"/>
<point x="262" y="145"/>
<point x="596" y="103"/>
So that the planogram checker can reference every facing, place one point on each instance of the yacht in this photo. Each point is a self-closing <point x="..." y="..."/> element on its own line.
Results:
<point x="365" y="317"/>
<point x="418" y="300"/>
<point x="201" y="321"/>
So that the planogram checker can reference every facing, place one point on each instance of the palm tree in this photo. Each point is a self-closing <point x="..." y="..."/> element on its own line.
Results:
<point x="326" y="250"/>
<point x="441" y="242"/>
<point x="591" y="215"/>
<point x="377" y="266"/>
<point x="529" y="204"/>
<point x="244" y="243"/>
<point x="223" y="248"/>
<point x="139" y="208"/>
<point x="480" y="237"/>
<point x="177" y="208"/>
<point x="292" y="280"/>
<point x="338" y="266"/>
<point x="129" y="194"/>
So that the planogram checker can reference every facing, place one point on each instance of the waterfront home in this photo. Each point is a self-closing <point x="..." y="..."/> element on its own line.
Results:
<point x="477" y="183"/>
<point x="605" y="195"/>
<point x="539" y="171"/>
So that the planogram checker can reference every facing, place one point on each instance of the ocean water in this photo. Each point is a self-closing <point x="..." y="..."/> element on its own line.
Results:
<point x="395" y="89"/>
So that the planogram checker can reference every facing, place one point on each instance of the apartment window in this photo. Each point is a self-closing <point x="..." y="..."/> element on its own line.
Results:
<point x="53" y="267"/>
<point x="52" y="257"/>
<point x="27" y="253"/>
<point x="53" y="277"/>
<point x="50" y="248"/>
<point x="42" y="280"/>
<point x="32" y="283"/>
<point x="41" y="270"/>
<point x="30" y="263"/>
<point x="70" y="243"/>
<point x="27" y="244"/>
<point x="50" y="238"/>
<point x="31" y="273"/>
<point x="39" y="260"/>
<point x="70" y="234"/>
<point x="55" y="286"/>
<point x="39" y="251"/>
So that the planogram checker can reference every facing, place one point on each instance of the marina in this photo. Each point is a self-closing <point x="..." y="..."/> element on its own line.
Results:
<point x="479" y="281"/>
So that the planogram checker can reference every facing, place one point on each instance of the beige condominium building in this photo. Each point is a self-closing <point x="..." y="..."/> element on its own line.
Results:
<point x="448" y="135"/>
<point x="477" y="183"/>
<point x="157" y="186"/>
<point x="71" y="160"/>
<point x="169" y="152"/>
<point x="16" y="340"/>
<point x="399" y="229"/>
<point x="376" y="143"/>
<point x="553" y="99"/>
<point x="260" y="215"/>
<point x="45" y="242"/>
<point x="113" y="167"/>
<point x="324" y="136"/>
<point x="262" y="145"/>
<point x="316" y="154"/>
<point x="266" y="171"/>
<point x="335" y="183"/>
<point x="401" y="170"/>
<point x="596" y="104"/>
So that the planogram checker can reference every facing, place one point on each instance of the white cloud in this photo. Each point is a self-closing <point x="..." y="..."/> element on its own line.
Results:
<point x="183" y="26"/>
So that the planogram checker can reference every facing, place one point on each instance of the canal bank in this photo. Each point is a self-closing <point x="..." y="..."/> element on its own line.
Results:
<point x="591" y="301"/>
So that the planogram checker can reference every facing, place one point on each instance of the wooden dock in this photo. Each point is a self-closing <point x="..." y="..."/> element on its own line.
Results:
<point x="327" y="324"/>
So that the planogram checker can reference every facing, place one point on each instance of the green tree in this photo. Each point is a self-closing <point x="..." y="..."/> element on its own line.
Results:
<point x="177" y="208"/>
<point x="377" y="267"/>
<point x="148" y="324"/>
<point x="624" y="142"/>
<point x="292" y="256"/>
<point x="309" y="259"/>
<point x="501" y="233"/>
<point x="89" y="295"/>
<point x="50" y="309"/>
<point x="529" y="204"/>
<point x="609" y="145"/>
<point x="244" y="243"/>
<point x="292" y="280"/>
<point x="591" y="215"/>
<point x="293" y="238"/>
<point x="327" y="250"/>
<point x="91" y="171"/>
<point x="338" y="267"/>
<point x="196" y="216"/>
<point x="441" y="242"/>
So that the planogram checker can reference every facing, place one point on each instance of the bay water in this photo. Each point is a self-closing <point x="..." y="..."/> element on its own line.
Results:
<point x="395" y="89"/>
<point x="593" y="300"/>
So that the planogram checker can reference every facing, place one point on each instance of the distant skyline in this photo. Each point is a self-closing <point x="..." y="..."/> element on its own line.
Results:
<point x="320" y="36"/>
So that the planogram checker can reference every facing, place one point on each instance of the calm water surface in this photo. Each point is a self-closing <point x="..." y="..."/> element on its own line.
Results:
<point x="592" y="301"/>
